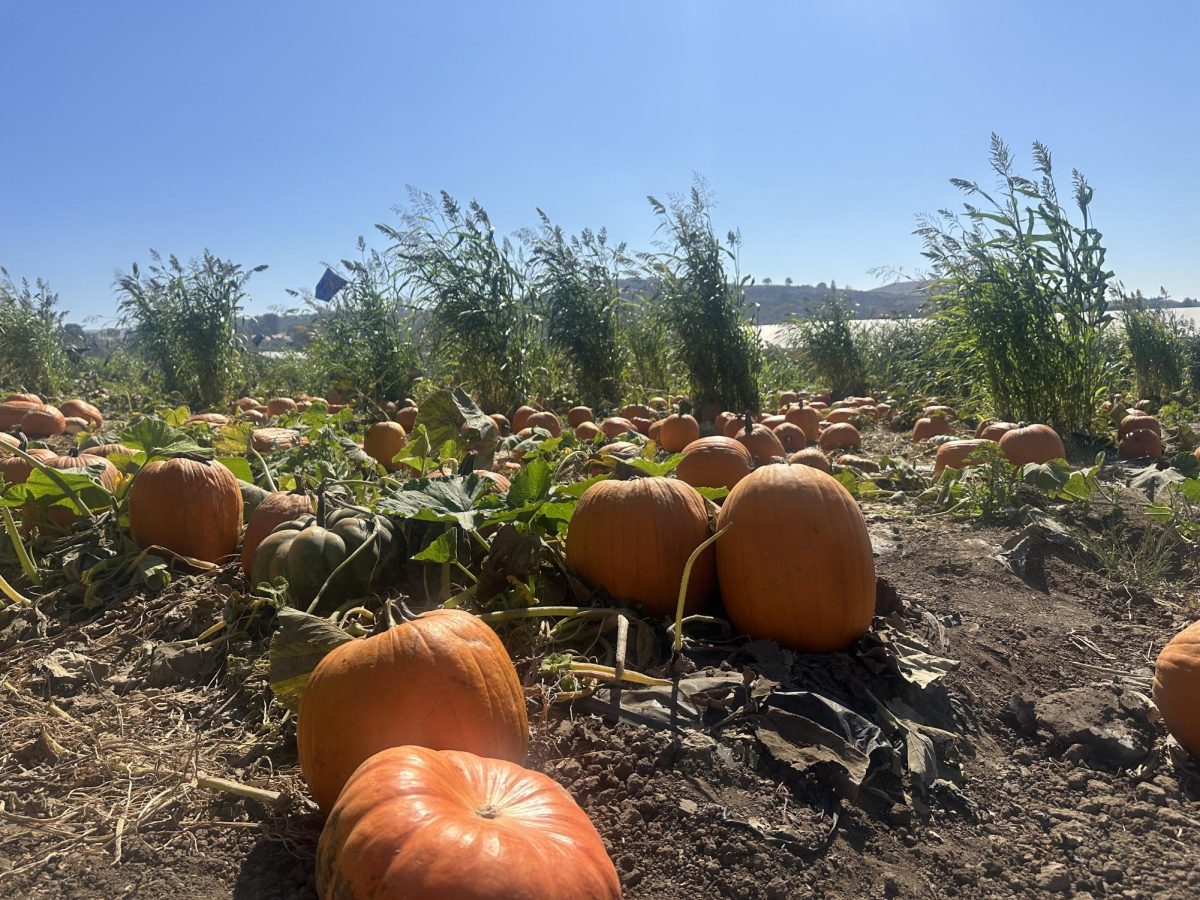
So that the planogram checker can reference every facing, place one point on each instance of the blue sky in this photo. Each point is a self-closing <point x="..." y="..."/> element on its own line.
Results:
<point x="277" y="132"/>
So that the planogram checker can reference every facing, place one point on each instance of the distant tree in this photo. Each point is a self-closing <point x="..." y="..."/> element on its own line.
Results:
<point x="788" y="281"/>
<point x="767" y="281"/>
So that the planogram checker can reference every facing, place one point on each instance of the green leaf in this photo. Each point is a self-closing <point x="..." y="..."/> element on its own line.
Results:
<point x="451" y="415"/>
<point x="713" y="493"/>
<point x="157" y="438"/>
<point x="450" y="499"/>
<point x="1190" y="489"/>
<point x="441" y="550"/>
<point x="234" y="439"/>
<point x="654" y="467"/>
<point x="1051" y="477"/>
<point x="300" y="642"/>
<point x="531" y="484"/>
<point x="39" y="489"/>
<point x="239" y="466"/>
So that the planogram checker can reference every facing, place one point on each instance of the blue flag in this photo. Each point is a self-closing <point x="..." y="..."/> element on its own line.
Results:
<point x="330" y="284"/>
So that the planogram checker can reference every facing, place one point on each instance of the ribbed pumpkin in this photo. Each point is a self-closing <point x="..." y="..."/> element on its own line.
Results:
<point x="577" y="415"/>
<point x="447" y="825"/>
<point x="547" y="421"/>
<point x="277" y="508"/>
<point x="811" y="456"/>
<point x="13" y="411"/>
<point x="246" y="403"/>
<point x="677" y="432"/>
<point x="265" y="440"/>
<point x="796" y="564"/>
<point x="108" y="477"/>
<point x="81" y="409"/>
<point x="443" y="681"/>
<point x="15" y="470"/>
<point x="773" y="422"/>
<point x="808" y="419"/>
<point x="616" y="426"/>
<point x="190" y="506"/>
<point x="9" y="439"/>
<point x="993" y="431"/>
<point x="642" y="424"/>
<point x="520" y="418"/>
<point x="43" y="421"/>
<point x="1138" y="422"/>
<point x="108" y="451"/>
<point x="654" y="432"/>
<point x="721" y="420"/>
<point x="791" y="436"/>
<point x="24" y="397"/>
<point x="715" y="461"/>
<point x="1032" y="444"/>
<point x="383" y="441"/>
<point x="786" y="398"/>
<point x="954" y="454"/>
<point x="760" y="440"/>
<point x="587" y="431"/>
<point x="1177" y="688"/>
<point x="930" y="426"/>
<point x="1139" y="444"/>
<point x="842" y="436"/>
<point x="278" y="406"/>
<point x="633" y="538"/>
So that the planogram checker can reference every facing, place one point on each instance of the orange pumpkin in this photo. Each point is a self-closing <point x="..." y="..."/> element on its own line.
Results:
<point x="435" y="825"/>
<point x="520" y="418"/>
<point x="190" y="506"/>
<point x="1137" y="422"/>
<point x="274" y="509"/>
<point x="13" y="411"/>
<point x="1032" y="444"/>
<point x="577" y="415"/>
<point x="678" y="431"/>
<point x="406" y="418"/>
<point x="442" y="680"/>
<point x="503" y="426"/>
<point x="278" y="406"/>
<point x="587" y="431"/>
<point x="993" y="431"/>
<point x="547" y="421"/>
<point x="792" y="437"/>
<point x="81" y="409"/>
<point x="930" y="426"/>
<point x="210" y="419"/>
<point x="809" y="420"/>
<point x="956" y="454"/>
<point x="264" y="440"/>
<point x="1140" y="444"/>
<point x="1177" y="685"/>
<point x="64" y="516"/>
<point x="786" y="398"/>
<point x="43" y="421"/>
<point x="616" y="426"/>
<point x="714" y="461"/>
<point x="383" y="441"/>
<point x="811" y="456"/>
<point x="762" y="443"/>
<point x="633" y="538"/>
<point x="721" y="420"/>
<point x="246" y="403"/>
<point x="637" y="411"/>
<point x="24" y="397"/>
<point x="796" y="564"/>
<point x="842" y="436"/>
<point x="842" y="415"/>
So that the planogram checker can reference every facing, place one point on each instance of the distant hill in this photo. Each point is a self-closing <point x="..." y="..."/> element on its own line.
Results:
<point x="776" y="302"/>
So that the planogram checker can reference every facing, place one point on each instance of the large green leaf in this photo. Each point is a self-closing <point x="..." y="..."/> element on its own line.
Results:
<point x="40" y="489"/>
<point x="300" y="642"/>
<point x="530" y="485"/>
<point x="451" y="415"/>
<point x="156" y="438"/>
<point x="449" y="499"/>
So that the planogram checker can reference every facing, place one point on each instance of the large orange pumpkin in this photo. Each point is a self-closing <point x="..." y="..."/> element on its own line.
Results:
<point x="383" y="441"/>
<point x="587" y="431"/>
<point x="762" y="443"/>
<point x="448" y="825"/>
<point x="43" y="421"/>
<point x="956" y="454"/>
<point x="81" y="409"/>
<point x="1177" y="688"/>
<point x="634" y="537"/>
<point x="1032" y="444"/>
<point x="677" y="431"/>
<point x="190" y="506"/>
<point x="796" y="564"/>
<point x="715" y="461"/>
<point x="577" y="415"/>
<point x="275" y="509"/>
<point x="443" y="681"/>
<point x="1137" y="422"/>
<point x="842" y="436"/>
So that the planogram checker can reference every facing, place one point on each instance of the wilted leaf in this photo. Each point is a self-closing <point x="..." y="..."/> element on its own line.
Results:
<point x="451" y="415"/>
<point x="300" y="642"/>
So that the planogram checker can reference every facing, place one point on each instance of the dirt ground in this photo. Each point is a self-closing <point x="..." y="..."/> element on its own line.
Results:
<point x="1063" y="782"/>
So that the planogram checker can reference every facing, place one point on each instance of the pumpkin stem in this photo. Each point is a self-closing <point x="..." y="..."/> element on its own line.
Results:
<point x="467" y="466"/>
<point x="488" y="812"/>
<point x="749" y="423"/>
<point x="321" y="504"/>
<point x="677" y="646"/>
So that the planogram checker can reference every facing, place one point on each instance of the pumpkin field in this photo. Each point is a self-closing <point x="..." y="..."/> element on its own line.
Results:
<point x="538" y="575"/>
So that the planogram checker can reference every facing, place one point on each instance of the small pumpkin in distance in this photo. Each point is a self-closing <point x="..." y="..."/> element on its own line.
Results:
<point x="1137" y="422"/>
<point x="930" y="426"/>
<point x="791" y="437"/>
<point x="587" y="431"/>
<point x="957" y="454"/>
<point x="1177" y="687"/>
<point x="577" y="415"/>
<point x="406" y="418"/>
<point x="616" y="426"/>
<point x="503" y="426"/>
<point x="547" y="421"/>
<point x="677" y="431"/>
<point x="427" y="824"/>
<point x="278" y="406"/>
<point x="81" y="409"/>
<point x="43" y="421"/>
<point x="383" y="441"/>
<point x="993" y="431"/>
<point x="520" y="418"/>
<point x="809" y="420"/>
<point x="842" y="436"/>
<point x="443" y="680"/>
<point x="811" y="456"/>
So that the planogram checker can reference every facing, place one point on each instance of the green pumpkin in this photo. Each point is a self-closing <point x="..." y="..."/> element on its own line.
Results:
<point x="307" y="554"/>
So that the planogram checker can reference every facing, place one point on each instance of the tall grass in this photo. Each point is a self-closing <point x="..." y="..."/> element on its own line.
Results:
<point x="184" y="320"/>
<point x="824" y="343"/>
<point x="1158" y="347"/>
<point x="476" y="289"/>
<point x="578" y="291"/>
<point x="703" y="303"/>
<point x="363" y="339"/>
<point x="1020" y="293"/>
<point x="32" y="339"/>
